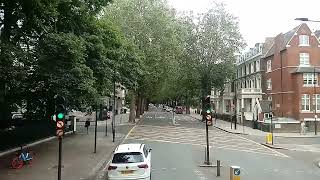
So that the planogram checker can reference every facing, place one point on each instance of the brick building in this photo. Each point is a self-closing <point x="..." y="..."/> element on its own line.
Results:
<point x="292" y="72"/>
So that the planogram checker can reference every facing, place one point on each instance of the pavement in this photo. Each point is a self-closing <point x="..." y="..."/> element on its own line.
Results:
<point x="78" y="159"/>
<point x="226" y="126"/>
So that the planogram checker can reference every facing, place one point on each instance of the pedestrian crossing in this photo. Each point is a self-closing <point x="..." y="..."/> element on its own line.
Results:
<point x="196" y="136"/>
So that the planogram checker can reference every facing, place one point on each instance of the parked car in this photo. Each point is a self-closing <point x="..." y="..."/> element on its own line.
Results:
<point x="130" y="161"/>
<point x="179" y="110"/>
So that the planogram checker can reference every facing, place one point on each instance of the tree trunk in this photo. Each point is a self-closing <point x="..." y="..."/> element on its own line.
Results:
<point x="138" y="102"/>
<point x="147" y="105"/>
<point x="187" y="109"/>
<point x="132" y="114"/>
<point x="142" y="105"/>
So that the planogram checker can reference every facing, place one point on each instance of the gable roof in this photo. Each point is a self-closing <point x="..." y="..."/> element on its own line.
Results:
<point x="267" y="45"/>
<point x="284" y="40"/>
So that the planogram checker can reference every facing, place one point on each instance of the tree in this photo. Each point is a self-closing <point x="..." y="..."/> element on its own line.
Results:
<point x="59" y="47"/>
<point x="150" y="26"/>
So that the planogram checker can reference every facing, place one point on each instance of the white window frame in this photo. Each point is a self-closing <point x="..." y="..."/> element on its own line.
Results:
<point x="316" y="102"/>
<point x="269" y="66"/>
<point x="252" y="67"/>
<point x="257" y="65"/>
<point x="258" y="83"/>
<point x="305" y="102"/>
<point x="309" y="80"/>
<point x="304" y="40"/>
<point x="269" y="84"/>
<point x="304" y="59"/>
<point x="267" y="115"/>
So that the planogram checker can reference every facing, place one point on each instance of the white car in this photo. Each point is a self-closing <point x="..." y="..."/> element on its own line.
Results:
<point x="130" y="161"/>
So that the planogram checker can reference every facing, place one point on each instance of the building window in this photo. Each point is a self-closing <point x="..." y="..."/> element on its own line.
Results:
<point x="258" y="66"/>
<point x="247" y="69"/>
<point x="269" y="98"/>
<point x="309" y="79"/>
<point x="304" y="40"/>
<point x="267" y="115"/>
<point x="305" y="102"/>
<point x="269" y="84"/>
<point x="243" y="71"/>
<point x="316" y="101"/>
<point x="269" y="66"/>
<point x="258" y="83"/>
<point x="304" y="59"/>
<point x="252" y="67"/>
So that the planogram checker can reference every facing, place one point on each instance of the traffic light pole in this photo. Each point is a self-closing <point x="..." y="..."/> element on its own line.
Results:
<point x="60" y="157"/>
<point x="114" y="111"/>
<point x="207" y="150"/>
<point x="95" y="132"/>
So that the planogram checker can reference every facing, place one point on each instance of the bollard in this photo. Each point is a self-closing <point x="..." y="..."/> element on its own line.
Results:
<point x="218" y="168"/>
<point x="234" y="173"/>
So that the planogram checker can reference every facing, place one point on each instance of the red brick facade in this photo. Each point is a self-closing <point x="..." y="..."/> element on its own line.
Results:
<point x="287" y="85"/>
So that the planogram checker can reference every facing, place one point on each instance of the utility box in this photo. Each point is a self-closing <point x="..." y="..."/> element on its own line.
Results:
<point x="269" y="138"/>
<point x="235" y="173"/>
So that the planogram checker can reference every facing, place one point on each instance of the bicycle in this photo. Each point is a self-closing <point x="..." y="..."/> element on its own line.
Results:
<point x="21" y="158"/>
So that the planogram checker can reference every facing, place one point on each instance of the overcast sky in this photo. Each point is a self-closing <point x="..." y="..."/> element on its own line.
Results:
<point x="261" y="18"/>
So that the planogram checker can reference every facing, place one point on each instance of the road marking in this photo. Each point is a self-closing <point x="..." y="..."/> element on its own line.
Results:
<point x="195" y="136"/>
<point x="263" y="146"/>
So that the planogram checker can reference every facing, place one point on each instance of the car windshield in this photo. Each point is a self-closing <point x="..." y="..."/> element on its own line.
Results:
<point x="131" y="157"/>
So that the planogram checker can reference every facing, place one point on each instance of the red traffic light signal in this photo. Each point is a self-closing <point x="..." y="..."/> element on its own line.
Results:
<point x="209" y="119"/>
<point x="60" y="128"/>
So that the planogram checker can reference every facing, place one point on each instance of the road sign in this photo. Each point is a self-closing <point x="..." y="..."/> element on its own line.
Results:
<point x="209" y="123"/>
<point x="59" y="132"/>
<point x="60" y="124"/>
<point x="208" y="117"/>
<point x="236" y="172"/>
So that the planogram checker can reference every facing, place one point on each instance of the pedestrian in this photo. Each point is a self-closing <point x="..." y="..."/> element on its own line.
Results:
<point x="303" y="127"/>
<point x="87" y="124"/>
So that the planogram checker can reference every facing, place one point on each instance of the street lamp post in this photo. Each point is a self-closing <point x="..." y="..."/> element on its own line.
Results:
<point x="314" y="76"/>
<point x="306" y="19"/>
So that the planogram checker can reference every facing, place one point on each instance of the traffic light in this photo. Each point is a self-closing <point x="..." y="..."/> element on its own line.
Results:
<point x="209" y="118"/>
<point x="60" y="114"/>
<point x="207" y="105"/>
<point x="207" y="111"/>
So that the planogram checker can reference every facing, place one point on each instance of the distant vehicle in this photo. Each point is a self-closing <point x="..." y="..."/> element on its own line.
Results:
<point x="179" y="110"/>
<point x="124" y="110"/>
<point x="169" y="109"/>
<point x="130" y="161"/>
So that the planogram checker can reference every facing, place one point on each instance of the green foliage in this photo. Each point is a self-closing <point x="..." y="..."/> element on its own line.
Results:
<point x="60" y="47"/>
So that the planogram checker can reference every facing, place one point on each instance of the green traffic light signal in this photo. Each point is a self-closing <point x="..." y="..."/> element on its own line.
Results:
<point x="60" y="116"/>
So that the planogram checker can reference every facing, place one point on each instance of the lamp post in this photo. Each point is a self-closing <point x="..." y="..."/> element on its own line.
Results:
<point x="314" y="76"/>
<point x="305" y="19"/>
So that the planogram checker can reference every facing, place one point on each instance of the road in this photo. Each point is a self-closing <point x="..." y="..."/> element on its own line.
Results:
<point x="179" y="148"/>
